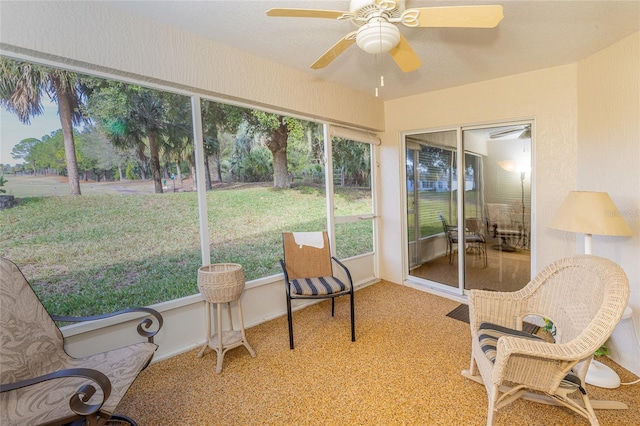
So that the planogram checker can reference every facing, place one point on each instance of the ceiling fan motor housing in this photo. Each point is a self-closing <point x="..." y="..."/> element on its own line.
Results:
<point x="377" y="37"/>
<point x="393" y="6"/>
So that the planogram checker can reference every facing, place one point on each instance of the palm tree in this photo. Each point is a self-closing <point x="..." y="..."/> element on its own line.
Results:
<point x="136" y="117"/>
<point x="21" y="87"/>
<point x="216" y="119"/>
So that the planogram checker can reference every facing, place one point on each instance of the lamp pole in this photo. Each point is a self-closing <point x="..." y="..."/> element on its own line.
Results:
<point x="524" y="232"/>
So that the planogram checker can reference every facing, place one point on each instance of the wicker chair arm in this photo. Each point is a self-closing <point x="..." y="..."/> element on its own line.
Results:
<point x="510" y="345"/>
<point x="531" y="361"/>
<point x="77" y="401"/>
<point x="143" y="328"/>
<point x="502" y="308"/>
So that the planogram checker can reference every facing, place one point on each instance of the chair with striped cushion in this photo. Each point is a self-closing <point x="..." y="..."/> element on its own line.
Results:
<point x="585" y="297"/>
<point x="308" y="273"/>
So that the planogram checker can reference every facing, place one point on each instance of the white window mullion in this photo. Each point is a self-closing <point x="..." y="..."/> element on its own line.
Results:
<point x="328" y="178"/>
<point x="198" y="139"/>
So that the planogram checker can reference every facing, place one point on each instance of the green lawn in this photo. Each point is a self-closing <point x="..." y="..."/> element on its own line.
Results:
<point x="97" y="253"/>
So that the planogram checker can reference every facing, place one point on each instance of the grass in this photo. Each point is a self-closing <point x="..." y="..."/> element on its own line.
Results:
<point x="99" y="253"/>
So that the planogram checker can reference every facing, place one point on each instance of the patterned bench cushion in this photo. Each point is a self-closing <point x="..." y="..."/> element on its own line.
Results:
<point x="317" y="286"/>
<point x="489" y="334"/>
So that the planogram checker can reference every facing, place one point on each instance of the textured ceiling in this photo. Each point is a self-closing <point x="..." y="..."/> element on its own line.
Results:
<point x="533" y="35"/>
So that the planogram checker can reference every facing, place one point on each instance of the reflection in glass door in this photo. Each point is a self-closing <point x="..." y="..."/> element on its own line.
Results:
<point x="431" y="205"/>
<point x="489" y="237"/>
<point x="503" y="217"/>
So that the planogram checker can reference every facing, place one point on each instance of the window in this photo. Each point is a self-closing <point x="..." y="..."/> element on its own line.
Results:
<point x="352" y="187"/>
<point x="133" y="235"/>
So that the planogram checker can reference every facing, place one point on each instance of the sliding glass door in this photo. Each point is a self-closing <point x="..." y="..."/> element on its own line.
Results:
<point x="431" y="204"/>
<point x="468" y="194"/>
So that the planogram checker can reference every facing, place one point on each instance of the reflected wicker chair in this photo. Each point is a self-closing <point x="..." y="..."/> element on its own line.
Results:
<point x="502" y="225"/>
<point x="41" y="383"/>
<point x="308" y="273"/>
<point x="584" y="296"/>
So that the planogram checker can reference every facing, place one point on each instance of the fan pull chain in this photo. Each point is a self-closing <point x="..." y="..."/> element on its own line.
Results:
<point x="376" y="66"/>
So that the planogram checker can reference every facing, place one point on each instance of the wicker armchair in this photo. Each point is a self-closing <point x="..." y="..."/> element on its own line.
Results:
<point x="584" y="296"/>
<point x="308" y="273"/>
<point x="41" y="383"/>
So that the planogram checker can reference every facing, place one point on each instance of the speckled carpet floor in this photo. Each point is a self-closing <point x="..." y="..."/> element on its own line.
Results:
<point x="403" y="369"/>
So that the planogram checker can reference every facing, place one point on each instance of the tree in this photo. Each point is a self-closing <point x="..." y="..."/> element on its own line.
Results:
<point x="49" y="153"/>
<point x="217" y="119"/>
<point x="21" y="88"/>
<point x="353" y="159"/>
<point x="178" y="145"/>
<point x="105" y="156"/>
<point x="136" y="117"/>
<point x="275" y="130"/>
<point x="305" y="156"/>
<point x="22" y="149"/>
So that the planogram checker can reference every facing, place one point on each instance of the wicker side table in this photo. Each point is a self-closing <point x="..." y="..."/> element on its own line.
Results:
<point x="219" y="284"/>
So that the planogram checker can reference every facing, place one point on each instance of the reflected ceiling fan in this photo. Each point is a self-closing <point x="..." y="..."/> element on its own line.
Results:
<point x="378" y="31"/>
<point x="524" y="132"/>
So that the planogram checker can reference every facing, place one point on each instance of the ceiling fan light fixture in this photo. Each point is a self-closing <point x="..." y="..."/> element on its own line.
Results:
<point x="377" y="37"/>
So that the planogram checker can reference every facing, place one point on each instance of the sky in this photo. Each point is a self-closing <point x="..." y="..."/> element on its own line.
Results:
<point x="13" y="131"/>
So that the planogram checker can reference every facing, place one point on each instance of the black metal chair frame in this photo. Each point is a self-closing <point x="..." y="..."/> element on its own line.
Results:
<point x="332" y="296"/>
<point x="453" y="236"/>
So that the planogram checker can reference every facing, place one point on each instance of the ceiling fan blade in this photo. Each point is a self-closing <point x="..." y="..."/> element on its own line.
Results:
<point x="483" y="16"/>
<point x="335" y="51"/>
<point x="404" y="56"/>
<point x="503" y="133"/>
<point x="305" y="13"/>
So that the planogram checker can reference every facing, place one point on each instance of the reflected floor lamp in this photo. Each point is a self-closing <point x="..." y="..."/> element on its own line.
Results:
<point x="589" y="213"/>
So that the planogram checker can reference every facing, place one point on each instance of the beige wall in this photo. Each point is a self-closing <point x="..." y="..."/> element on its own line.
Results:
<point x="549" y="96"/>
<point x="587" y="128"/>
<point x="95" y="37"/>
<point x="608" y="159"/>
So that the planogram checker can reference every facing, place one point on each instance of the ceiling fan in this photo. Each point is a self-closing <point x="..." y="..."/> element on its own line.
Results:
<point x="524" y="132"/>
<point x="378" y="31"/>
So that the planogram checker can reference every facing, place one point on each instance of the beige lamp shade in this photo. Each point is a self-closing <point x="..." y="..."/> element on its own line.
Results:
<point x="590" y="212"/>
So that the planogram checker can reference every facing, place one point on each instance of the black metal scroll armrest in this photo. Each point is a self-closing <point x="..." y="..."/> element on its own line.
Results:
<point x="345" y="270"/>
<point x="143" y="327"/>
<point x="78" y="401"/>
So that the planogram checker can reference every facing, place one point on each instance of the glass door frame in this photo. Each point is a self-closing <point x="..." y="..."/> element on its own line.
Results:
<point x="460" y="170"/>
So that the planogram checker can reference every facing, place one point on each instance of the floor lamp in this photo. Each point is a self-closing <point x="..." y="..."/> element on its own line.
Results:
<point x="591" y="213"/>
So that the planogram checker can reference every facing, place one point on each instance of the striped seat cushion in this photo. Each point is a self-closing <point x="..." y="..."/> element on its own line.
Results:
<point x="489" y="334"/>
<point x="317" y="286"/>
